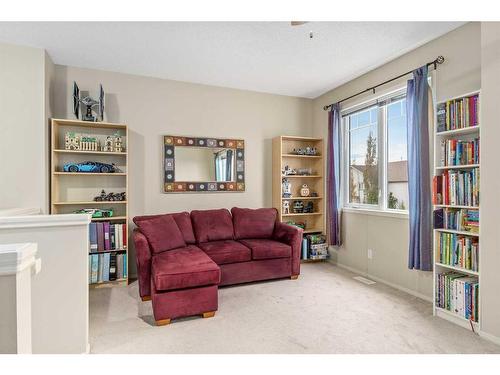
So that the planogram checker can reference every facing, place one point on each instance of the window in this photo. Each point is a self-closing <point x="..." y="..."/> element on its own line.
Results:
<point x="375" y="155"/>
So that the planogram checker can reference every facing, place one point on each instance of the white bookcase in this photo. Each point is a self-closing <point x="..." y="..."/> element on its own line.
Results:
<point x="466" y="134"/>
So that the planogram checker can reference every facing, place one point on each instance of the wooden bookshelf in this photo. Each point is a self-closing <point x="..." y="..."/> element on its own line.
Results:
<point x="465" y="134"/>
<point x="283" y="147"/>
<point x="70" y="191"/>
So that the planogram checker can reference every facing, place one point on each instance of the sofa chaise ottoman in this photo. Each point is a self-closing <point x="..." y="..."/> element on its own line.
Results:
<point x="182" y="258"/>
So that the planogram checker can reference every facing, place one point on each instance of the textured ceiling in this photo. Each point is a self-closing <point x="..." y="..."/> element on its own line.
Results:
<point x="270" y="57"/>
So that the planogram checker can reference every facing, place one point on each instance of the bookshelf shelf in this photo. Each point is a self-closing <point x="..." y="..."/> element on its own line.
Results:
<point x="91" y="152"/>
<point x="463" y="233"/>
<point x="458" y="269"/>
<point x="465" y="166"/>
<point x="455" y="287"/>
<point x="116" y="174"/>
<point x="461" y="131"/>
<point x="68" y="195"/>
<point x="304" y="214"/>
<point x="302" y="156"/>
<point x="301" y="198"/>
<point x="71" y="203"/>
<point x="112" y="218"/>
<point x="283" y="155"/>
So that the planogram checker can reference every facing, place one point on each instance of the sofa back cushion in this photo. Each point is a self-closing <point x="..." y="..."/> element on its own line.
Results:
<point x="183" y="221"/>
<point x="212" y="225"/>
<point x="253" y="223"/>
<point x="162" y="233"/>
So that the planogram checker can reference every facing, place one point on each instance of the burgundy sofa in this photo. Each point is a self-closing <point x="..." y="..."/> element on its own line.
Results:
<point x="183" y="257"/>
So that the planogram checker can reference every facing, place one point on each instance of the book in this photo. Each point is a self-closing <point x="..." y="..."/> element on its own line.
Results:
<point x="94" y="268"/>
<point x="112" y="236"/>
<point x="304" y="248"/>
<point x="106" y="266"/>
<point x="125" y="266"/>
<point x="112" y="267"/>
<point x="441" y="117"/>
<point x="458" y="113"/>
<point x="100" y="236"/>
<point x="107" y="244"/>
<point x="93" y="237"/>
<point x="119" y="266"/>
<point x="100" y="270"/>
<point x="119" y="234"/>
<point x="124" y="236"/>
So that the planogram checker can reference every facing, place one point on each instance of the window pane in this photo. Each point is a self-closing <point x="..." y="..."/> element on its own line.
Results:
<point x="397" y="172"/>
<point x="363" y="157"/>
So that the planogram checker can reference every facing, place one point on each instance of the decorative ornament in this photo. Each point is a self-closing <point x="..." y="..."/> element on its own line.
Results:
<point x="304" y="191"/>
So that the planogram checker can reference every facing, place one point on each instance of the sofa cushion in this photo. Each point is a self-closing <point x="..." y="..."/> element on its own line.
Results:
<point x="267" y="249"/>
<point x="188" y="267"/>
<point x="212" y="225"/>
<point x="253" y="223"/>
<point x="162" y="233"/>
<point x="183" y="221"/>
<point x="227" y="251"/>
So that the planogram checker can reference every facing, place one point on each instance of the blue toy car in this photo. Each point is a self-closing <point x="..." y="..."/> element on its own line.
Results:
<point x="90" y="167"/>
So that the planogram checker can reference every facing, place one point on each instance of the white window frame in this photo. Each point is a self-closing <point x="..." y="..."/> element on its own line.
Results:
<point x="382" y="146"/>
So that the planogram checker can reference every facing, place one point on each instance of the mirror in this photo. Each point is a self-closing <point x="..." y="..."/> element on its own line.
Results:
<point x="199" y="164"/>
<point x="203" y="164"/>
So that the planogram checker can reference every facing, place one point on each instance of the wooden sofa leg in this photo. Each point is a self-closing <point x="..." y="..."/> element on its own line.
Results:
<point x="163" y="322"/>
<point x="294" y="277"/>
<point x="146" y="298"/>
<point x="209" y="314"/>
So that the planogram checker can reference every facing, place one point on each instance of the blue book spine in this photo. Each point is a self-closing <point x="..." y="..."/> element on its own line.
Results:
<point x="95" y="267"/>
<point x="304" y="248"/>
<point x="93" y="237"/>
<point x="105" y="270"/>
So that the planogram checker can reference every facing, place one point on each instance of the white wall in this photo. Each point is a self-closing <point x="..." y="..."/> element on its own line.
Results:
<point x="23" y="127"/>
<point x="388" y="236"/>
<point x="490" y="179"/>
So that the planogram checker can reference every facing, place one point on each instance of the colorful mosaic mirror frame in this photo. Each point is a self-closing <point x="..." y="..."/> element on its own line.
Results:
<point x="172" y="186"/>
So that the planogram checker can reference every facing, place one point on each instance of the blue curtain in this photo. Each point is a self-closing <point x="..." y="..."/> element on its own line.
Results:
<point x="420" y="211"/>
<point x="333" y="176"/>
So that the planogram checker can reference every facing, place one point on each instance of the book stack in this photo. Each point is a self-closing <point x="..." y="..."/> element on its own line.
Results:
<point x="463" y="220"/>
<point x="314" y="247"/>
<point x="458" y="113"/>
<point x="105" y="236"/>
<point x="107" y="267"/>
<point x="458" y="152"/>
<point x="457" y="250"/>
<point x="459" y="294"/>
<point x="457" y="188"/>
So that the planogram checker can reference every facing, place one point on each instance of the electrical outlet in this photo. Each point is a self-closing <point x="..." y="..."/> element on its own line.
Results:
<point x="370" y="253"/>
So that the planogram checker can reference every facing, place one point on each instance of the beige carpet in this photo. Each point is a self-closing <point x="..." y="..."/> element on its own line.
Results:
<point x="324" y="311"/>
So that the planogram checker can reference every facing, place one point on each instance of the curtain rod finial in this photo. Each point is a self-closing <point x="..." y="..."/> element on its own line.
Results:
<point x="440" y="59"/>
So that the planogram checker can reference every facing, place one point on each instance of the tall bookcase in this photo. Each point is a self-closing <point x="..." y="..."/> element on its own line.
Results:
<point x="72" y="191"/>
<point x="283" y="155"/>
<point x="456" y="222"/>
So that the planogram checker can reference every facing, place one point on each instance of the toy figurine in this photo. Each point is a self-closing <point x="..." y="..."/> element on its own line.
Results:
<point x="298" y="207"/>
<point x="118" y="143"/>
<point x="309" y="208"/>
<point x="286" y="207"/>
<point x="286" y="188"/>
<point x="304" y="191"/>
<point x="72" y="141"/>
<point x="108" y="144"/>
<point x="89" y="104"/>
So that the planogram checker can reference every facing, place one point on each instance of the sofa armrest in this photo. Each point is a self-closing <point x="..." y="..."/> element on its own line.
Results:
<point x="143" y="259"/>
<point x="291" y="235"/>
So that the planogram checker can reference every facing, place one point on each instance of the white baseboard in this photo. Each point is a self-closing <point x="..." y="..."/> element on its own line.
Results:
<point x="378" y="279"/>
<point x="490" y="337"/>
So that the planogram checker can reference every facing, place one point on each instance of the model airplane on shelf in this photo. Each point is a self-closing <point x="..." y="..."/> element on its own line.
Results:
<point x="89" y="103"/>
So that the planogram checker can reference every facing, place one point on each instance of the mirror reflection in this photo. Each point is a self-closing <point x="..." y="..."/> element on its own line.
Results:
<point x="201" y="164"/>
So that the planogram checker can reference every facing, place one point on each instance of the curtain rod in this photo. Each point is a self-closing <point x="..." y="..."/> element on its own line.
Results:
<point x="439" y="60"/>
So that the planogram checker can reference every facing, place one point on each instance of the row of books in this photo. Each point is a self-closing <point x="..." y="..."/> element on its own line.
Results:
<point x="463" y="220"/>
<point x="457" y="188"/>
<point x="105" y="236"/>
<point x="107" y="267"/>
<point x="457" y="250"/>
<point x="314" y="246"/>
<point x="458" y="293"/>
<point x="458" y="113"/>
<point x="457" y="152"/>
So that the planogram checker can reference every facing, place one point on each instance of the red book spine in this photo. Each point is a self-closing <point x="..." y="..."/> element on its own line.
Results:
<point x="124" y="237"/>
